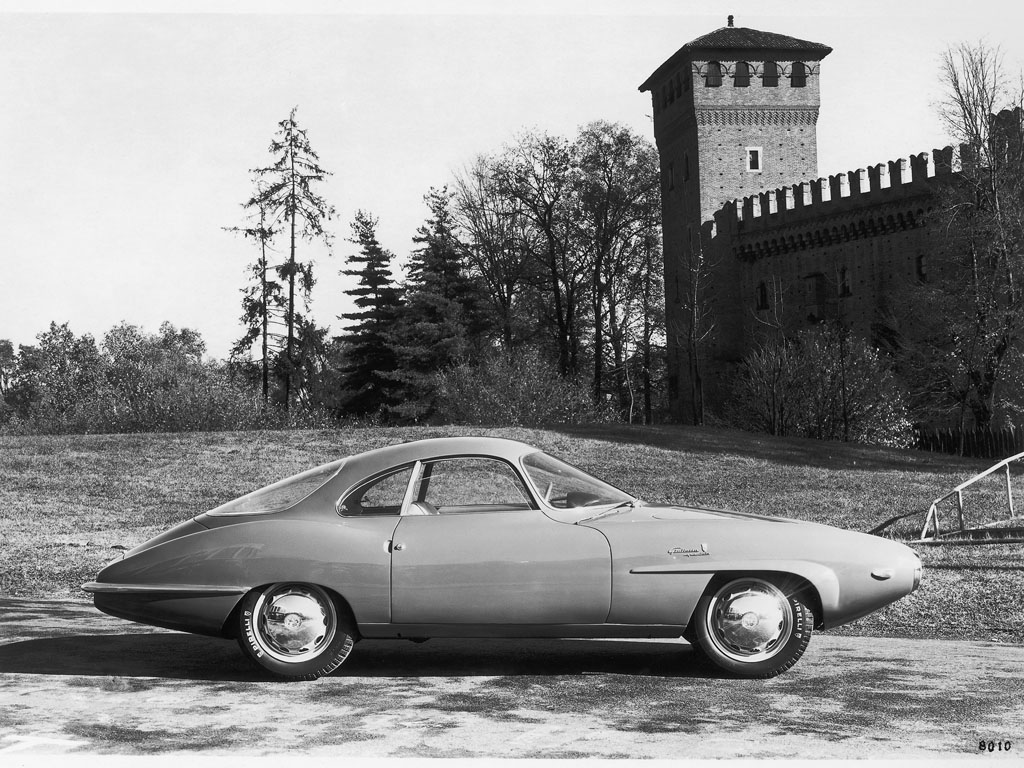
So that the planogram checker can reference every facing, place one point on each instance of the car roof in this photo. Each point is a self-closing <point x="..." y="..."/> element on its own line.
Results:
<point x="436" y="448"/>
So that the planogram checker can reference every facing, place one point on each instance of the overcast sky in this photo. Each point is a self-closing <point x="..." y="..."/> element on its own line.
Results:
<point x="126" y="139"/>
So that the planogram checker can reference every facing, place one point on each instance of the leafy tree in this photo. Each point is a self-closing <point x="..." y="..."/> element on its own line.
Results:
<point x="367" y="376"/>
<point x="8" y="364"/>
<point x="56" y="375"/>
<point x="287" y="197"/>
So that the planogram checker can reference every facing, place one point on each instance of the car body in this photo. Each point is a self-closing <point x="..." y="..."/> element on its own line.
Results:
<point x="488" y="537"/>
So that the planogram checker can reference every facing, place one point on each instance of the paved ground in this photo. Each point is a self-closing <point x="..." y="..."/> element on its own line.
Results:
<point x="75" y="681"/>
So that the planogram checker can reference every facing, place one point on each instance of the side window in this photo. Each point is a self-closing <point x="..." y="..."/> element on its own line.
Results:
<point x="471" y="485"/>
<point x="383" y="496"/>
<point x="770" y="75"/>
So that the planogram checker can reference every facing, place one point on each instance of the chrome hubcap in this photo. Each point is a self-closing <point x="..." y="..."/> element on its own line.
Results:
<point x="294" y="622"/>
<point x="749" y="620"/>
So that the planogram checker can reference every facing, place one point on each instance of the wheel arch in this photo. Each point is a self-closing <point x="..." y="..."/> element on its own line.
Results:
<point x="792" y="580"/>
<point x="229" y="629"/>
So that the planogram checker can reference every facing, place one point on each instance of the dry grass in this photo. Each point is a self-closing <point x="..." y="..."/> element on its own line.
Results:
<point x="65" y="501"/>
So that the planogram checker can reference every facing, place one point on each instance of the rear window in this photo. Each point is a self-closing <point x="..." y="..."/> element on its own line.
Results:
<point x="282" y="494"/>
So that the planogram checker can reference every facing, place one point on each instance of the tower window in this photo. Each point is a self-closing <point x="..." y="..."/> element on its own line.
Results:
<point x="754" y="159"/>
<point x="770" y="75"/>
<point x="844" y="283"/>
<point x="798" y="75"/>
<point x="921" y="268"/>
<point x="713" y="78"/>
<point x="686" y="166"/>
<point x="671" y="174"/>
<point x="741" y="76"/>
<point x="762" y="296"/>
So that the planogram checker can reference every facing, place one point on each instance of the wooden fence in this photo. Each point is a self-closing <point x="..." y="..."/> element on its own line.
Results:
<point x="978" y="443"/>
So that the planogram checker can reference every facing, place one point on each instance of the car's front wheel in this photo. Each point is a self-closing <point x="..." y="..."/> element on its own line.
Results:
<point x="753" y="627"/>
<point x="294" y="630"/>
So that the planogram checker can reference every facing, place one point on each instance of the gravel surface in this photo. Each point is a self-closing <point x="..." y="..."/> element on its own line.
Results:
<point x="75" y="681"/>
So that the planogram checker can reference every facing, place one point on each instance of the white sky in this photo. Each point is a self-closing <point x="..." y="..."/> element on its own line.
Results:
<point x="126" y="139"/>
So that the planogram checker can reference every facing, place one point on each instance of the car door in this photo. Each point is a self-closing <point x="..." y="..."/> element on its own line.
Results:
<point x="477" y="550"/>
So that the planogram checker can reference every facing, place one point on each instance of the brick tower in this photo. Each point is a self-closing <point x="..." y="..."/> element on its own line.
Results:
<point x="735" y="113"/>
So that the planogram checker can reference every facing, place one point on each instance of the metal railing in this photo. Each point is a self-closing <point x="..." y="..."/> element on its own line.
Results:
<point x="932" y="520"/>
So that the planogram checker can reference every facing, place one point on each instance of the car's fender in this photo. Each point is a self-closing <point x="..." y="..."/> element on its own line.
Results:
<point x="349" y="556"/>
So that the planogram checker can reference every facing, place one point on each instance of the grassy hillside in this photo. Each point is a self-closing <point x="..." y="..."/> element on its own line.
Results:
<point x="66" y="501"/>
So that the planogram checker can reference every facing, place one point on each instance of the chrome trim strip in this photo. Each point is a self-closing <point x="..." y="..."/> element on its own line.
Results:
<point x="97" y="587"/>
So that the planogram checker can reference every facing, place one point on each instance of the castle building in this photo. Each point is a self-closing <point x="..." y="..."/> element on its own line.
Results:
<point x="752" y="237"/>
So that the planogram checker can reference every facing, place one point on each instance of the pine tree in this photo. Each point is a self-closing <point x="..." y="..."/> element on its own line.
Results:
<point x="443" y="320"/>
<point x="288" y="197"/>
<point x="263" y="300"/>
<point x="366" y="378"/>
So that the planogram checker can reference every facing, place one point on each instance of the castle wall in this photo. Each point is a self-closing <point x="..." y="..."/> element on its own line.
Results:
<point x="843" y="248"/>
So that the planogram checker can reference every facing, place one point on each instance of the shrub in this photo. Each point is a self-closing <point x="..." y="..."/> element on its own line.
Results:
<point x="822" y="383"/>
<point x="522" y="389"/>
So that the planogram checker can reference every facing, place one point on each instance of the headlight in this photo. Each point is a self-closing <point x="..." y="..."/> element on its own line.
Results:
<point x="917" y="574"/>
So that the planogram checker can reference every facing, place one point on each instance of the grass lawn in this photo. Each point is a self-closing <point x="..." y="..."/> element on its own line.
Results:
<point x="66" y="501"/>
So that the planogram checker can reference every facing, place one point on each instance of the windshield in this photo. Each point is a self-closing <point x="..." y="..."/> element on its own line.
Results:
<point x="564" y="486"/>
<point x="282" y="494"/>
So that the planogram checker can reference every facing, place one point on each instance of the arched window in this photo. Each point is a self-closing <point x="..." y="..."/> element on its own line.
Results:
<point x="762" y="296"/>
<point x="798" y="75"/>
<point x="921" y="268"/>
<point x="741" y="76"/>
<point x="713" y="78"/>
<point x="844" y="282"/>
<point x="770" y="75"/>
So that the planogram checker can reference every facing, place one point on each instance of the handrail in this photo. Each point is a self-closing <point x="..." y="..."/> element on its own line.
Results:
<point x="932" y="519"/>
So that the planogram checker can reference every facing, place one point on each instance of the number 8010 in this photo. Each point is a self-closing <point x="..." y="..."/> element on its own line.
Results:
<point x="993" y="746"/>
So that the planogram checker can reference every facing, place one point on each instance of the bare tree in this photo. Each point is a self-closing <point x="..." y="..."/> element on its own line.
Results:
<point x="537" y="173"/>
<point x="969" y="315"/>
<point x="616" y="191"/>
<point x="500" y="243"/>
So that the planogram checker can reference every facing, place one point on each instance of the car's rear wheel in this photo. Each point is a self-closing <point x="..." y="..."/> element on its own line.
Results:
<point x="294" y="630"/>
<point x="753" y="627"/>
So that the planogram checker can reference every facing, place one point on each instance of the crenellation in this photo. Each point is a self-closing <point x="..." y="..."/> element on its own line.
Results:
<point x="818" y="190"/>
<point x="894" y="177"/>
<point x="919" y="167"/>
<point x="968" y="158"/>
<point x="839" y="186"/>
<point x="856" y="180"/>
<point x="875" y="177"/>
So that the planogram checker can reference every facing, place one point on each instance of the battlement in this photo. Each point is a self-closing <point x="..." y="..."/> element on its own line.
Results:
<point x="875" y="184"/>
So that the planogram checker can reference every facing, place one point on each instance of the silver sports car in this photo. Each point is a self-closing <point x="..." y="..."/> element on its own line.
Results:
<point x="486" y="537"/>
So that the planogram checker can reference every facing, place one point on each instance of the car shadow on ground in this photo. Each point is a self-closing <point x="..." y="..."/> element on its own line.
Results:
<point x="177" y="656"/>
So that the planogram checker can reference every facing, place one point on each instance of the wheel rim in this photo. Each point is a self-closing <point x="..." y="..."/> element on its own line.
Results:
<point x="749" y="620"/>
<point x="294" y="622"/>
